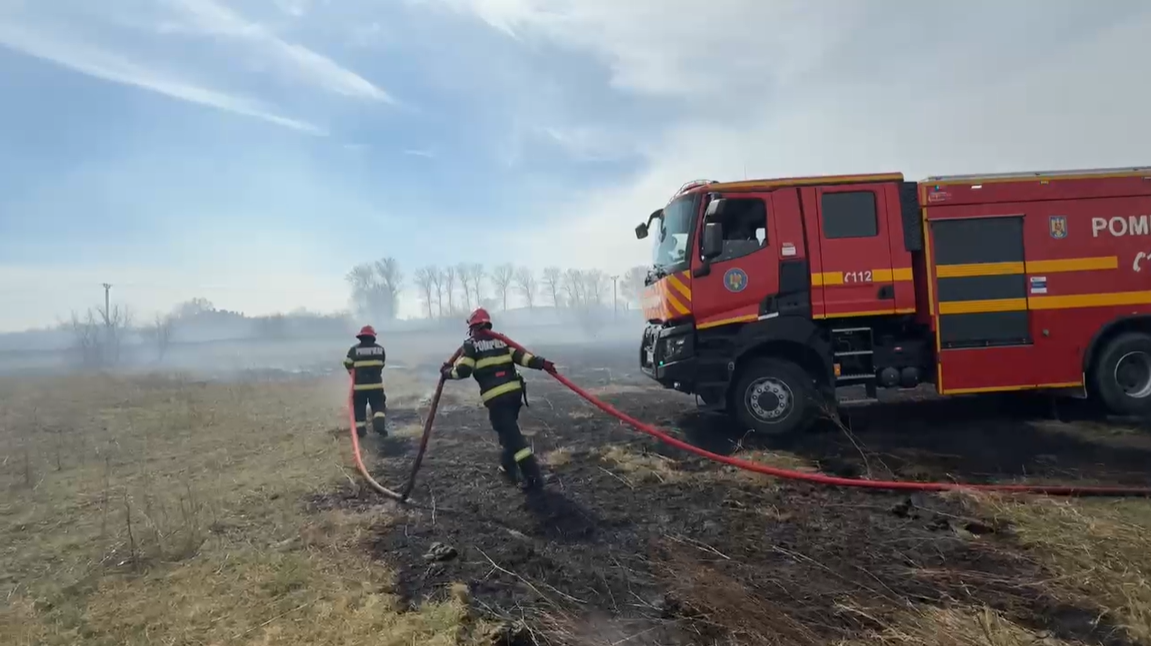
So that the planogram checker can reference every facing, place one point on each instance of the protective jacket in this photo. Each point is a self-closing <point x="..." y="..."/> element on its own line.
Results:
<point x="366" y="360"/>
<point x="493" y="364"/>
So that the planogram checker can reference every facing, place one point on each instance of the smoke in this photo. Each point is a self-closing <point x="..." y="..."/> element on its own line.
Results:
<point x="555" y="307"/>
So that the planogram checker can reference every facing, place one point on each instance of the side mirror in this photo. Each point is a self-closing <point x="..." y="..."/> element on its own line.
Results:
<point x="715" y="208"/>
<point x="641" y="230"/>
<point x="712" y="239"/>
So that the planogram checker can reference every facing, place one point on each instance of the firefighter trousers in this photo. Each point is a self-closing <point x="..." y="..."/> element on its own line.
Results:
<point x="517" y="459"/>
<point x="378" y="401"/>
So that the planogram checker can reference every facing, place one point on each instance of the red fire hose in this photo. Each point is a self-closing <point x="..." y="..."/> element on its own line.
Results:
<point x="756" y="467"/>
<point x="359" y="459"/>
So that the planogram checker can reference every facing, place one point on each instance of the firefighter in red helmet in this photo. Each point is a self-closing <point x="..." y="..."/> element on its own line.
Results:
<point x="493" y="364"/>
<point x="365" y="363"/>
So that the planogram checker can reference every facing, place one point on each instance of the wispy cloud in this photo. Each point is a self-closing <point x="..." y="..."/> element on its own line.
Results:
<point x="108" y="66"/>
<point x="588" y="143"/>
<point x="291" y="60"/>
<point x="427" y="154"/>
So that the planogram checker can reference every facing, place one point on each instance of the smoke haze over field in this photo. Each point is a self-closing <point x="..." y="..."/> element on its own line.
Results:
<point x="253" y="153"/>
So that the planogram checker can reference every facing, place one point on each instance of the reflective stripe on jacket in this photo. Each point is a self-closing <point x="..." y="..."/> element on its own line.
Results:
<point x="366" y="362"/>
<point x="493" y="364"/>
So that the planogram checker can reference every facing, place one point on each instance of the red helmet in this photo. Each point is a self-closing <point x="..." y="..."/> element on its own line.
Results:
<point x="479" y="317"/>
<point x="367" y="330"/>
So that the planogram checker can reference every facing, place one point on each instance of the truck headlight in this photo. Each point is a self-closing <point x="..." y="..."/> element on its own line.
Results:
<point x="676" y="347"/>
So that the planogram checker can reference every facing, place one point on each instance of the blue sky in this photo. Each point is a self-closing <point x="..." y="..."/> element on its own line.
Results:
<point x="252" y="151"/>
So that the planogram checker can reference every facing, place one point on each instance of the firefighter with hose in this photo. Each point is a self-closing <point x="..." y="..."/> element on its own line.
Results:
<point x="365" y="363"/>
<point x="493" y="364"/>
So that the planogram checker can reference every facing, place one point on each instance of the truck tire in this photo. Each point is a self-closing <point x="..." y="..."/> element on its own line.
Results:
<point x="1122" y="374"/>
<point x="774" y="397"/>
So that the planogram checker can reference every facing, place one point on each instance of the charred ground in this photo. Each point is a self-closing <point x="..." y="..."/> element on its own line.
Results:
<point x="634" y="542"/>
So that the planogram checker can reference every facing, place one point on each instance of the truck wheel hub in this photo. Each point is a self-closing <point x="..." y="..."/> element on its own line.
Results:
<point x="1133" y="374"/>
<point x="769" y="399"/>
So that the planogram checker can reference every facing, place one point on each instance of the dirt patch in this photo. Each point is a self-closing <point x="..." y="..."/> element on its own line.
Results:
<point x="706" y="558"/>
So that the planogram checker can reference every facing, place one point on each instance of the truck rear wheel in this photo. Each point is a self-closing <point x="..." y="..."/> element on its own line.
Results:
<point x="774" y="397"/>
<point x="1122" y="374"/>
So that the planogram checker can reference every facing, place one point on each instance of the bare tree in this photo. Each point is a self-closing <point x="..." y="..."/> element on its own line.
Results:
<point x="477" y="275"/>
<point x="553" y="283"/>
<point x="502" y="277"/>
<point x="594" y="284"/>
<point x="573" y="285"/>
<point x="425" y="277"/>
<point x="437" y="280"/>
<point x="376" y="288"/>
<point x="86" y="337"/>
<point x="448" y="279"/>
<point x="160" y="333"/>
<point x="525" y="281"/>
<point x="632" y="285"/>
<point x="464" y="271"/>
<point x="391" y="282"/>
<point x="117" y="321"/>
<point x="99" y="335"/>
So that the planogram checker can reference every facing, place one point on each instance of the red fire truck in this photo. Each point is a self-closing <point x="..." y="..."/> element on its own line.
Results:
<point x="771" y="299"/>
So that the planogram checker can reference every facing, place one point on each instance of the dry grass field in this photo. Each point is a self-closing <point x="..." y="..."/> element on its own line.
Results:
<point x="165" y="510"/>
<point x="159" y="510"/>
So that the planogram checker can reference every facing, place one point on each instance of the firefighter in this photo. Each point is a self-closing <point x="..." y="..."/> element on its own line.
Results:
<point x="365" y="363"/>
<point x="493" y="364"/>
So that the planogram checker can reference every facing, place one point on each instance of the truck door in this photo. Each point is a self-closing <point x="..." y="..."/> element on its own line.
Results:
<point x="855" y="251"/>
<point x="738" y="279"/>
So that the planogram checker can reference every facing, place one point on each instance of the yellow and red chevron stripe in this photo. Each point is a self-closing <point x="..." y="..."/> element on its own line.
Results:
<point x="668" y="298"/>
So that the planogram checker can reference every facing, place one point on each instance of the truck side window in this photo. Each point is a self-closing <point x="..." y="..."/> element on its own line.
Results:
<point x="744" y="223"/>
<point x="849" y="215"/>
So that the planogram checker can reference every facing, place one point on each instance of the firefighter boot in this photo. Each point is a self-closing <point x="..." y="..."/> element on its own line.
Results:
<point x="380" y="424"/>
<point x="508" y="476"/>
<point x="533" y="478"/>
<point x="508" y="469"/>
<point x="361" y="429"/>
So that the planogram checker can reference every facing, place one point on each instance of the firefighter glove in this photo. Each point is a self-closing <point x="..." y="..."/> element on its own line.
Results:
<point x="549" y="367"/>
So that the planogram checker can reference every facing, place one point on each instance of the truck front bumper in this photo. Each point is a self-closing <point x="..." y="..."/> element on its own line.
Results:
<point x="667" y="355"/>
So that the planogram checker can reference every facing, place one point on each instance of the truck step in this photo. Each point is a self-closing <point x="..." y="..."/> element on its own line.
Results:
<point x="853" y="353"/>
<point x="858" y="402"/>
<point x="846" y="330"/>
<point x="854" y="377"/>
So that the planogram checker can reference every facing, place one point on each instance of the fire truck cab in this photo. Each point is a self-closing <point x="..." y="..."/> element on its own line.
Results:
<point x="776" y="299"/>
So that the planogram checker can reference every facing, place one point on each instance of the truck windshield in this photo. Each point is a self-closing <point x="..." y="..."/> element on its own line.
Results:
<point x="670" y="248"/>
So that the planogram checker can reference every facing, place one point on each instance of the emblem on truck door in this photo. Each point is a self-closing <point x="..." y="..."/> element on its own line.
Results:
<point x="1057" y="224"/>
<point x="735" y="280"/>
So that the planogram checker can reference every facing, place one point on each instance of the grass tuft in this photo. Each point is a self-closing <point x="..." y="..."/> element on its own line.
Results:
<point x="645" y="466"/>
<point x="957" y="626"/>
<point x="1096" y="548"/>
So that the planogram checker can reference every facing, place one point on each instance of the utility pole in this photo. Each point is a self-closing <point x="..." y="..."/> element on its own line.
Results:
<point x="104" y="348"/>
<point x="614" y="297"/>
<point x="107" y="305"/>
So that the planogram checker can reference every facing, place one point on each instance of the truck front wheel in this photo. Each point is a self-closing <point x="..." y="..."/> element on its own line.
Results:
<point x="1122" y="374"/>
<point x="774" y="397"/>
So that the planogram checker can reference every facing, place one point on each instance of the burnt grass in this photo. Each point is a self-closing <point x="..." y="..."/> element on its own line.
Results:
<point x="604" y="556"/>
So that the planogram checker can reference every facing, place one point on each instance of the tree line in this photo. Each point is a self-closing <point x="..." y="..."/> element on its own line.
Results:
<point x="452" y="290"/>
<point x="100" y="334"/>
